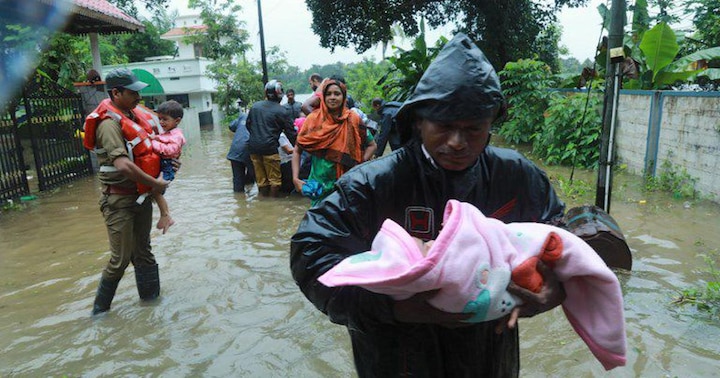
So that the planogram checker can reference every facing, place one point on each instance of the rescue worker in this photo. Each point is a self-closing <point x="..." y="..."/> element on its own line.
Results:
<point x="447" y="122"/>
<point x="128" y="215"/>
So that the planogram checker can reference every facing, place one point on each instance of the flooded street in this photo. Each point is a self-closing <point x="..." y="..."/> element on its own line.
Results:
<point x="229" y="307"/>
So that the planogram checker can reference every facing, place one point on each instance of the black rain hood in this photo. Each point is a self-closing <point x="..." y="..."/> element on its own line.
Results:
<point x="459" y="84"/>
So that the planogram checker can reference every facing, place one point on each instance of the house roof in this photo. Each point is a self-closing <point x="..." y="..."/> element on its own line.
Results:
<point x="99" y="16"/>
<point x="181" y="32"/>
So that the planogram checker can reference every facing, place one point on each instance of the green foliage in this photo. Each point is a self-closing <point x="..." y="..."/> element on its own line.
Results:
<point x="525" y="84"/>
<point x="672" y="180"/>
<point x="706" y="19"/>
<point x="504" y="30"/>
<point x="362" y="78"/>
<point x="408" y="66"/>
<point x="571" y="66"/>
<point x="11" y="205"/>
<point x="138" y="46"/>
<point x="659" y="45"/>
<point x="130" y="6"/>
<point x="547" y="46"/>
<point x="577" y="190"/>
<point x="656" y="50"/>
<point x="67" y="58"/>
<point x="705" y="298"/>
<point x="223" y="37"/>
<point x="225" y="42"/>
<point x="641" y="18"/>
<point x="570" y="134"/>
<point x="241" y="80"/>
<point x="280" y="69"/>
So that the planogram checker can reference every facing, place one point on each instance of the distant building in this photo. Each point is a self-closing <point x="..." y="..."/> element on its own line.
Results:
<point x="182" y="78"/>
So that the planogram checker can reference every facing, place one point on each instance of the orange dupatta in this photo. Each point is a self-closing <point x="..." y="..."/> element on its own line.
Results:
<point x="339" y="140"/>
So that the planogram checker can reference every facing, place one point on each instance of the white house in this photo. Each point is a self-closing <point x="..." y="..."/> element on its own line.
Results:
<point x="181" y="78"/>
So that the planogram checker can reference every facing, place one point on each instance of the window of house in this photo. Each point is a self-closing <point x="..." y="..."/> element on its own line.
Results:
<point x="198" y="50"/>
<point x="183" y="99"/>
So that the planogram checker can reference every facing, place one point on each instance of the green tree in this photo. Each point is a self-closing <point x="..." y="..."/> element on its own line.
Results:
<point x="236" y="81"/>
<point x="277" y="62"/>
<point x="224" y="41"/>
<point x="525" y="84"/>
<point x="548" y="46"/>
<point x="362" y="81"/>
<point x="706" y="18"/>
<point x="505" y="30"/>
<point x="570" y="66"/>
<point x="130" y="6"/>
<point x="68" y="58"/>
<point x="223" y="37"/>
<point x="138" y="46"/>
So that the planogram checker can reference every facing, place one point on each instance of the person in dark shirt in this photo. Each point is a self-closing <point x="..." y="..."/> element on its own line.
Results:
<point x="293" y="107"/>
<point x="266" y="120"/>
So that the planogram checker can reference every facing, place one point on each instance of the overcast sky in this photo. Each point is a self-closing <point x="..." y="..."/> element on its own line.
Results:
<point x="287" y="24"/>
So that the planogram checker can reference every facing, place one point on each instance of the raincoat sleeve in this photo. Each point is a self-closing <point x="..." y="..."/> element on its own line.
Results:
<point x="554" y="210"/>
<point x="340" y="226"/>
<point x="234" y="124"/>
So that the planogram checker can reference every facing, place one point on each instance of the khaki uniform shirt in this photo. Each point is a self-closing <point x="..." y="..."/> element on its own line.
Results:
<point x="108" y="136"/>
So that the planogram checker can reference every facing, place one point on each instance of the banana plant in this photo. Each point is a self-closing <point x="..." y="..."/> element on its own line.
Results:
<point x="408" y="66"/>
<point x="659" y="65"/>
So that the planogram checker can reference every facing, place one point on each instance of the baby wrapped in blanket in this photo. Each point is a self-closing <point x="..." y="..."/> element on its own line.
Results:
<point x="472" y="261"/>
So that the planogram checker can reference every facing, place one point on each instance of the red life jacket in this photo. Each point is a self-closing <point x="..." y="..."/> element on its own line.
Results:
<point x="136" y="134"/>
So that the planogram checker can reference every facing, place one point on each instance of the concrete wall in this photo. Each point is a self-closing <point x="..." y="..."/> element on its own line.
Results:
<point x="682" y="127"/>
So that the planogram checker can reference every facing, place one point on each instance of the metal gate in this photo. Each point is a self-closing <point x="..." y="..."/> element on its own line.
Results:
<point x="13" y="180"/>
<point x="54" y="120"/>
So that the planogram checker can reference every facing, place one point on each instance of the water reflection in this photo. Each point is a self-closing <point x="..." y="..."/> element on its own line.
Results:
<point x="229" y="306"/>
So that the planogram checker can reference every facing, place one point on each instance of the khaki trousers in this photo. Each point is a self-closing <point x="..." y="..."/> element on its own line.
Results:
<point x="267" y="170"/>
<point x="128" y="225"/>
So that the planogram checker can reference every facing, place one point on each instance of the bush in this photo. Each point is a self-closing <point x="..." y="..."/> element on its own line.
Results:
<point x="571" y="133"/>
<point x="672" y="180"/>
<point x="525" y="84"/>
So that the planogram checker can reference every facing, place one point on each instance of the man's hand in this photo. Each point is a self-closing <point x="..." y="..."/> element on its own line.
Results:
<point x="416" y="309"/>
<point x="551" y="294"/>
<point x="160" y="185"/>
<point x="176" y="164"/>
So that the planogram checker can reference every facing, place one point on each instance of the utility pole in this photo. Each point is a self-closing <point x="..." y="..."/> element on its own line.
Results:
<point x="613" y="80"/>
<point x="262" y="45"/>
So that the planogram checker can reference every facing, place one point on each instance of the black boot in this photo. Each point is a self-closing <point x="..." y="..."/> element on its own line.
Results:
<point x="148" y="281"/>
<point x="104" y="296"/>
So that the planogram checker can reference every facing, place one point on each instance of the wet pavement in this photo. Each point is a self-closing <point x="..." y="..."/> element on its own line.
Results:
<point x="229" y="307"/>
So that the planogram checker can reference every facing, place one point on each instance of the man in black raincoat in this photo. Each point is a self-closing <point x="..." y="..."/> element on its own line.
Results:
<point x="447" y="122"/>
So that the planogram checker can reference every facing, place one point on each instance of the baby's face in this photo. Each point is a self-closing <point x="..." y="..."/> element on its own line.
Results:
<point x="167" y="122"/>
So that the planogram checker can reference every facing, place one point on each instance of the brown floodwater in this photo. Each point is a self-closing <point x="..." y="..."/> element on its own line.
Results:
<point x="229" y="306"/>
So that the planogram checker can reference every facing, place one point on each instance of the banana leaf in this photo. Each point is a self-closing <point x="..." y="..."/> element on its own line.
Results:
<point x="660" y="47"/>
<point x="711" y="73"/>
<point x="707" y="54"/>
<point x="668" y="78"/>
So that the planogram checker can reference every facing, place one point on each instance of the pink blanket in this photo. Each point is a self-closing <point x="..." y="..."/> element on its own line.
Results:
<point x="474" y="258"/>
